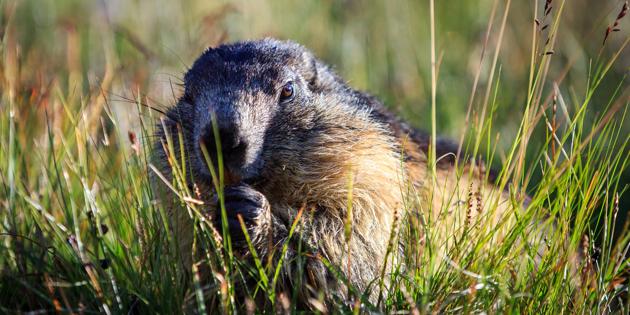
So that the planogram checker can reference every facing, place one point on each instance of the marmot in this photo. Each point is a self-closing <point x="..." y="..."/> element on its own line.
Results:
<point x="295" y="136"/>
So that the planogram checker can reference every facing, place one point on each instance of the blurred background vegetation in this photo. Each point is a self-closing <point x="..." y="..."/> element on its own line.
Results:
<point x="118" y="50"/>
<point x="60" y="59"/>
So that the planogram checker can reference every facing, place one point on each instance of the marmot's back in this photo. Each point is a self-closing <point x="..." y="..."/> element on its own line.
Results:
<point x="295" y="139"/>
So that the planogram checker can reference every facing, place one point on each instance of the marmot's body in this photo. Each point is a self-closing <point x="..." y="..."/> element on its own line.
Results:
<point x="295" y="136"/>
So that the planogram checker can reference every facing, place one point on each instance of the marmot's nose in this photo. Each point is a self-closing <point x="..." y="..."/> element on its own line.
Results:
<point x="233" y="146"/>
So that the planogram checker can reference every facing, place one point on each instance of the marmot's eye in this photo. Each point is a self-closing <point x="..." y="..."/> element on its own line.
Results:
<point x="287" y="92"/>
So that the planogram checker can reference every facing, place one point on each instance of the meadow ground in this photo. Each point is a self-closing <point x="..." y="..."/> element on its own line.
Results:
<point x="537" y="88"/>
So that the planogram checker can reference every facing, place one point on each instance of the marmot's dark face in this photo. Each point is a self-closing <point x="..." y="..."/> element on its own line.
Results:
<point x="264" y="97"/>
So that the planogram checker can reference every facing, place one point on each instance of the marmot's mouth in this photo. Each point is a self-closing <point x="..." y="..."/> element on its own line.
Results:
<point x="231" y="178"/>
<point x="232" y="174"/>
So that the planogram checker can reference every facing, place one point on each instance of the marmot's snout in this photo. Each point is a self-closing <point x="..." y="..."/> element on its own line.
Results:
<point x="234" y="147"/>
<point x="240" y="139"/>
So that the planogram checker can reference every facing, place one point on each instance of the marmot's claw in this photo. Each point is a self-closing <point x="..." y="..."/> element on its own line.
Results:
<point x="251" y="205"/>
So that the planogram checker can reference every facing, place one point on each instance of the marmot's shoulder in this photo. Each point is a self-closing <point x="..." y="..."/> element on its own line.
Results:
<point x="419" y="140"/>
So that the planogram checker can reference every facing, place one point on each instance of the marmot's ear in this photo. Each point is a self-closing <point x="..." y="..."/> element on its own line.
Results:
<point x="319" y="76"/>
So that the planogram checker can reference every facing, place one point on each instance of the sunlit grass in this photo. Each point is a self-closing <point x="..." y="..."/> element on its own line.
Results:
<point x="82" y="230"/>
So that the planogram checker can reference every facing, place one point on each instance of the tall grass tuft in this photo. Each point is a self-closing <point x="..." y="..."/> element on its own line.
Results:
<point x="82" y="231"/>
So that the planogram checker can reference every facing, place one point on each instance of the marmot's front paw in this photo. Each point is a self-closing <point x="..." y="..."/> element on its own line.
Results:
<point x="252" y="206"/>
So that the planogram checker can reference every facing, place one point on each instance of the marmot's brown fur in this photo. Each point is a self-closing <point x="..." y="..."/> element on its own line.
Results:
<point x="295" y="136"/>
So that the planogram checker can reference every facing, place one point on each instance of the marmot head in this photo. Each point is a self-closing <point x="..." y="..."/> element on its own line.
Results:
<point x="282" y="116"/>
<point x="250" y="87"/>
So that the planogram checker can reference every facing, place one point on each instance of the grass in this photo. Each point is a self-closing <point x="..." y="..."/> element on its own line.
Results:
<point x="80" y="230"/>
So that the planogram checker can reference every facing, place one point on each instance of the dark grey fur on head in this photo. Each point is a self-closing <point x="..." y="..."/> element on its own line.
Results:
<point x="240" y="83"/>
